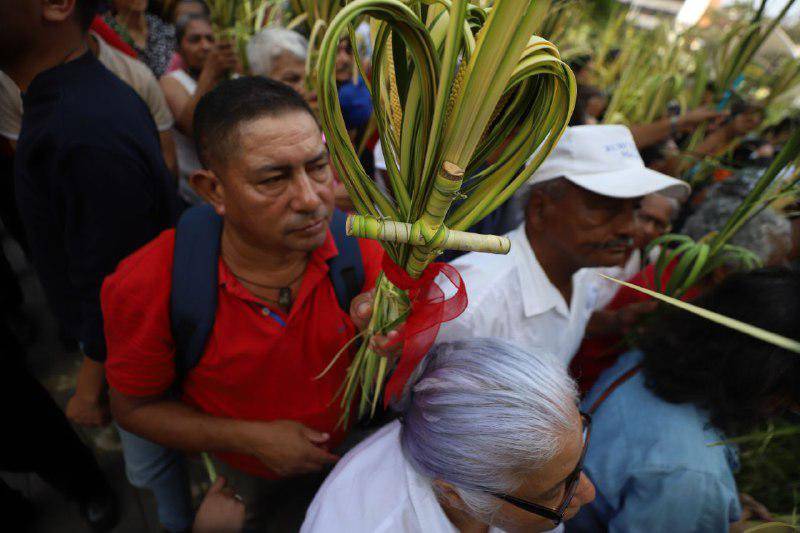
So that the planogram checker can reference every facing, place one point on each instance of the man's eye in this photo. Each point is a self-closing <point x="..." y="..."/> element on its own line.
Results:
<point x="271" y="180"/>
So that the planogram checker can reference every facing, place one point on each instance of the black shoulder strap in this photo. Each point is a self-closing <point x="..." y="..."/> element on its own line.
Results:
<point x="193" y="300"/>
<point x="346" y="270"/>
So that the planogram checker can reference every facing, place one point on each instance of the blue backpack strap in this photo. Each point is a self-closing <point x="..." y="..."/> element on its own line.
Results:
<point x="346" y="270"/>
<point x="193" y="299"/>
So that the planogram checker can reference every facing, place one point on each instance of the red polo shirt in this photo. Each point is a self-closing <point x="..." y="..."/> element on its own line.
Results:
<point x="259" y="363"/>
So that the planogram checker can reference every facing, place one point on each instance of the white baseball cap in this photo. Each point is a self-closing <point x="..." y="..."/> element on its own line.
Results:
<point x="605" y="160"/>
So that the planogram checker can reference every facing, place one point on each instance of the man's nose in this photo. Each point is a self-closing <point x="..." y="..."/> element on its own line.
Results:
<point x="305" y="198"/>
<point x="626" y="220"/>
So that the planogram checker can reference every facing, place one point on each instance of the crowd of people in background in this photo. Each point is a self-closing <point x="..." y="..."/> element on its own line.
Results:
<point x="182" y="214"/>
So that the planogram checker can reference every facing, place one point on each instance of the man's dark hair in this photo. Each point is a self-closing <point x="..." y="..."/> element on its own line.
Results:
<point x="220" y="112"/>
<point x="170" y="15"/>
<point x="183" y="23"/>
<point x="85" y="11"/>
<point x="737" y="378"/>
<point x="584" y="94"/>
<point x="578" y="63"/>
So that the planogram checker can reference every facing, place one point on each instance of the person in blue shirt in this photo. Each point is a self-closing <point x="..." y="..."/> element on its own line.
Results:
<point x="659" y="413"/>
<point x="354" y="97"/>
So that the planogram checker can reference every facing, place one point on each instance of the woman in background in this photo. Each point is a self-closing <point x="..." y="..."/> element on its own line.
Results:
<point x="151" y="38"/>
<point x="206" y="63"/>
<point x="661" y="414"/>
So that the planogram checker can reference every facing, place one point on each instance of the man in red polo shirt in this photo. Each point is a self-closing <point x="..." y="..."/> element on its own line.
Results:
<point x="258" y="397"/>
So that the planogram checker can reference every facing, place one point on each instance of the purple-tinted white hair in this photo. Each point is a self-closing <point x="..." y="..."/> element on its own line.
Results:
<point x="482" y="414"/>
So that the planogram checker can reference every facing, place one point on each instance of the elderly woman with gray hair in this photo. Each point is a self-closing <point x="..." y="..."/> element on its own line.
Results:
<point x="489" y="439"/>
<point x="280" y="54"/>
<point x="768" y="234"/>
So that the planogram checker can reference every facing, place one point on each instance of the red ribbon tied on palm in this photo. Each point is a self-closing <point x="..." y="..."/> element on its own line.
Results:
<point x="429" y="309"/>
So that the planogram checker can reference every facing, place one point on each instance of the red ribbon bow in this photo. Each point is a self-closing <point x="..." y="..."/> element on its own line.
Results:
<point x="429" y="309"/>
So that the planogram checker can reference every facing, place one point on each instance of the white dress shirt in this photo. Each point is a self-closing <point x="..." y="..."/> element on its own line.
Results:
<point x="511" y="297"/>
<point x="375" y="489"/>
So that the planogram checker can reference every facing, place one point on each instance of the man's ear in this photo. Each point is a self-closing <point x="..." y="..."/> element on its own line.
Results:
<point x="208" y="185"/>
<point x="535" y="210"/>
<point x="57" y="10"/>
<point x="449" y="494"/>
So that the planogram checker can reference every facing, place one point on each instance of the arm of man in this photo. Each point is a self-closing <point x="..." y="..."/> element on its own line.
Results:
<point x="87" y="407"/>
<point x="682" y="500"/>
<point x="605" y="322"/>
<point x="286" y="447"/>
<point x="141" y="370"/>
<point x="646" y="135"/>
<point x="153" y="95"/>
<point x="168" y="151"/>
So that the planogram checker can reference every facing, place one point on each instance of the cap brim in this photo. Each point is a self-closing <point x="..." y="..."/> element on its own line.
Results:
<point x="632" y="183"/>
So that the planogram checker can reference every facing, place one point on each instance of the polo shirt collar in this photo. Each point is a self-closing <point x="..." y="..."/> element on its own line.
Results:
<point x="539" y="295"/>
<point x="316" y="269"/>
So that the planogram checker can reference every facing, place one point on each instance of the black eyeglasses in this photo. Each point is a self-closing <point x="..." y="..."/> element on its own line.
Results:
<point x="571" y="485"/>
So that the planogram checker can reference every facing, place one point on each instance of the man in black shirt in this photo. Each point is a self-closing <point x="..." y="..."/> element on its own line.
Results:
<point x="91" y="183"/>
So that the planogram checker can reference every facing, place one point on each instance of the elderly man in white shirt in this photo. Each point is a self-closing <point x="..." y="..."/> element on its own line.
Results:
<point x="579" y="213"/>
<point x="490" y="439"/>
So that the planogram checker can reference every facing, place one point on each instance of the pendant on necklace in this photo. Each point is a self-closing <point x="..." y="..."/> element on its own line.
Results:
<point x="285" y="297"/>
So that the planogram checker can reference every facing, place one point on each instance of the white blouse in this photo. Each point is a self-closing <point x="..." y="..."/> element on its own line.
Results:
<point x="375" y="489"/>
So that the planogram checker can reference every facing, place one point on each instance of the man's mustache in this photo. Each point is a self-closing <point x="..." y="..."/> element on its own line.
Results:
<point x="616" y="243"/>
<point x="302" y="221"/>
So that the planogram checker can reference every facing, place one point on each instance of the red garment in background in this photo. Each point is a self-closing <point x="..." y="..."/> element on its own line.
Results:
<point x="111" y="37"/>
<point x="176" y="63"/>
<point x="599" y="353"/>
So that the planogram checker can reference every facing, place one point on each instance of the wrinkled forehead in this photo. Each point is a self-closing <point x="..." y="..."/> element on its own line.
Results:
<point x="586" y="198"/>
<point x="286" y="139"/>
<point x="656" y="205"/>
<point x="285" y="60"/>
<point x="198" y="27"/>
<point x="188" y="7"/>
